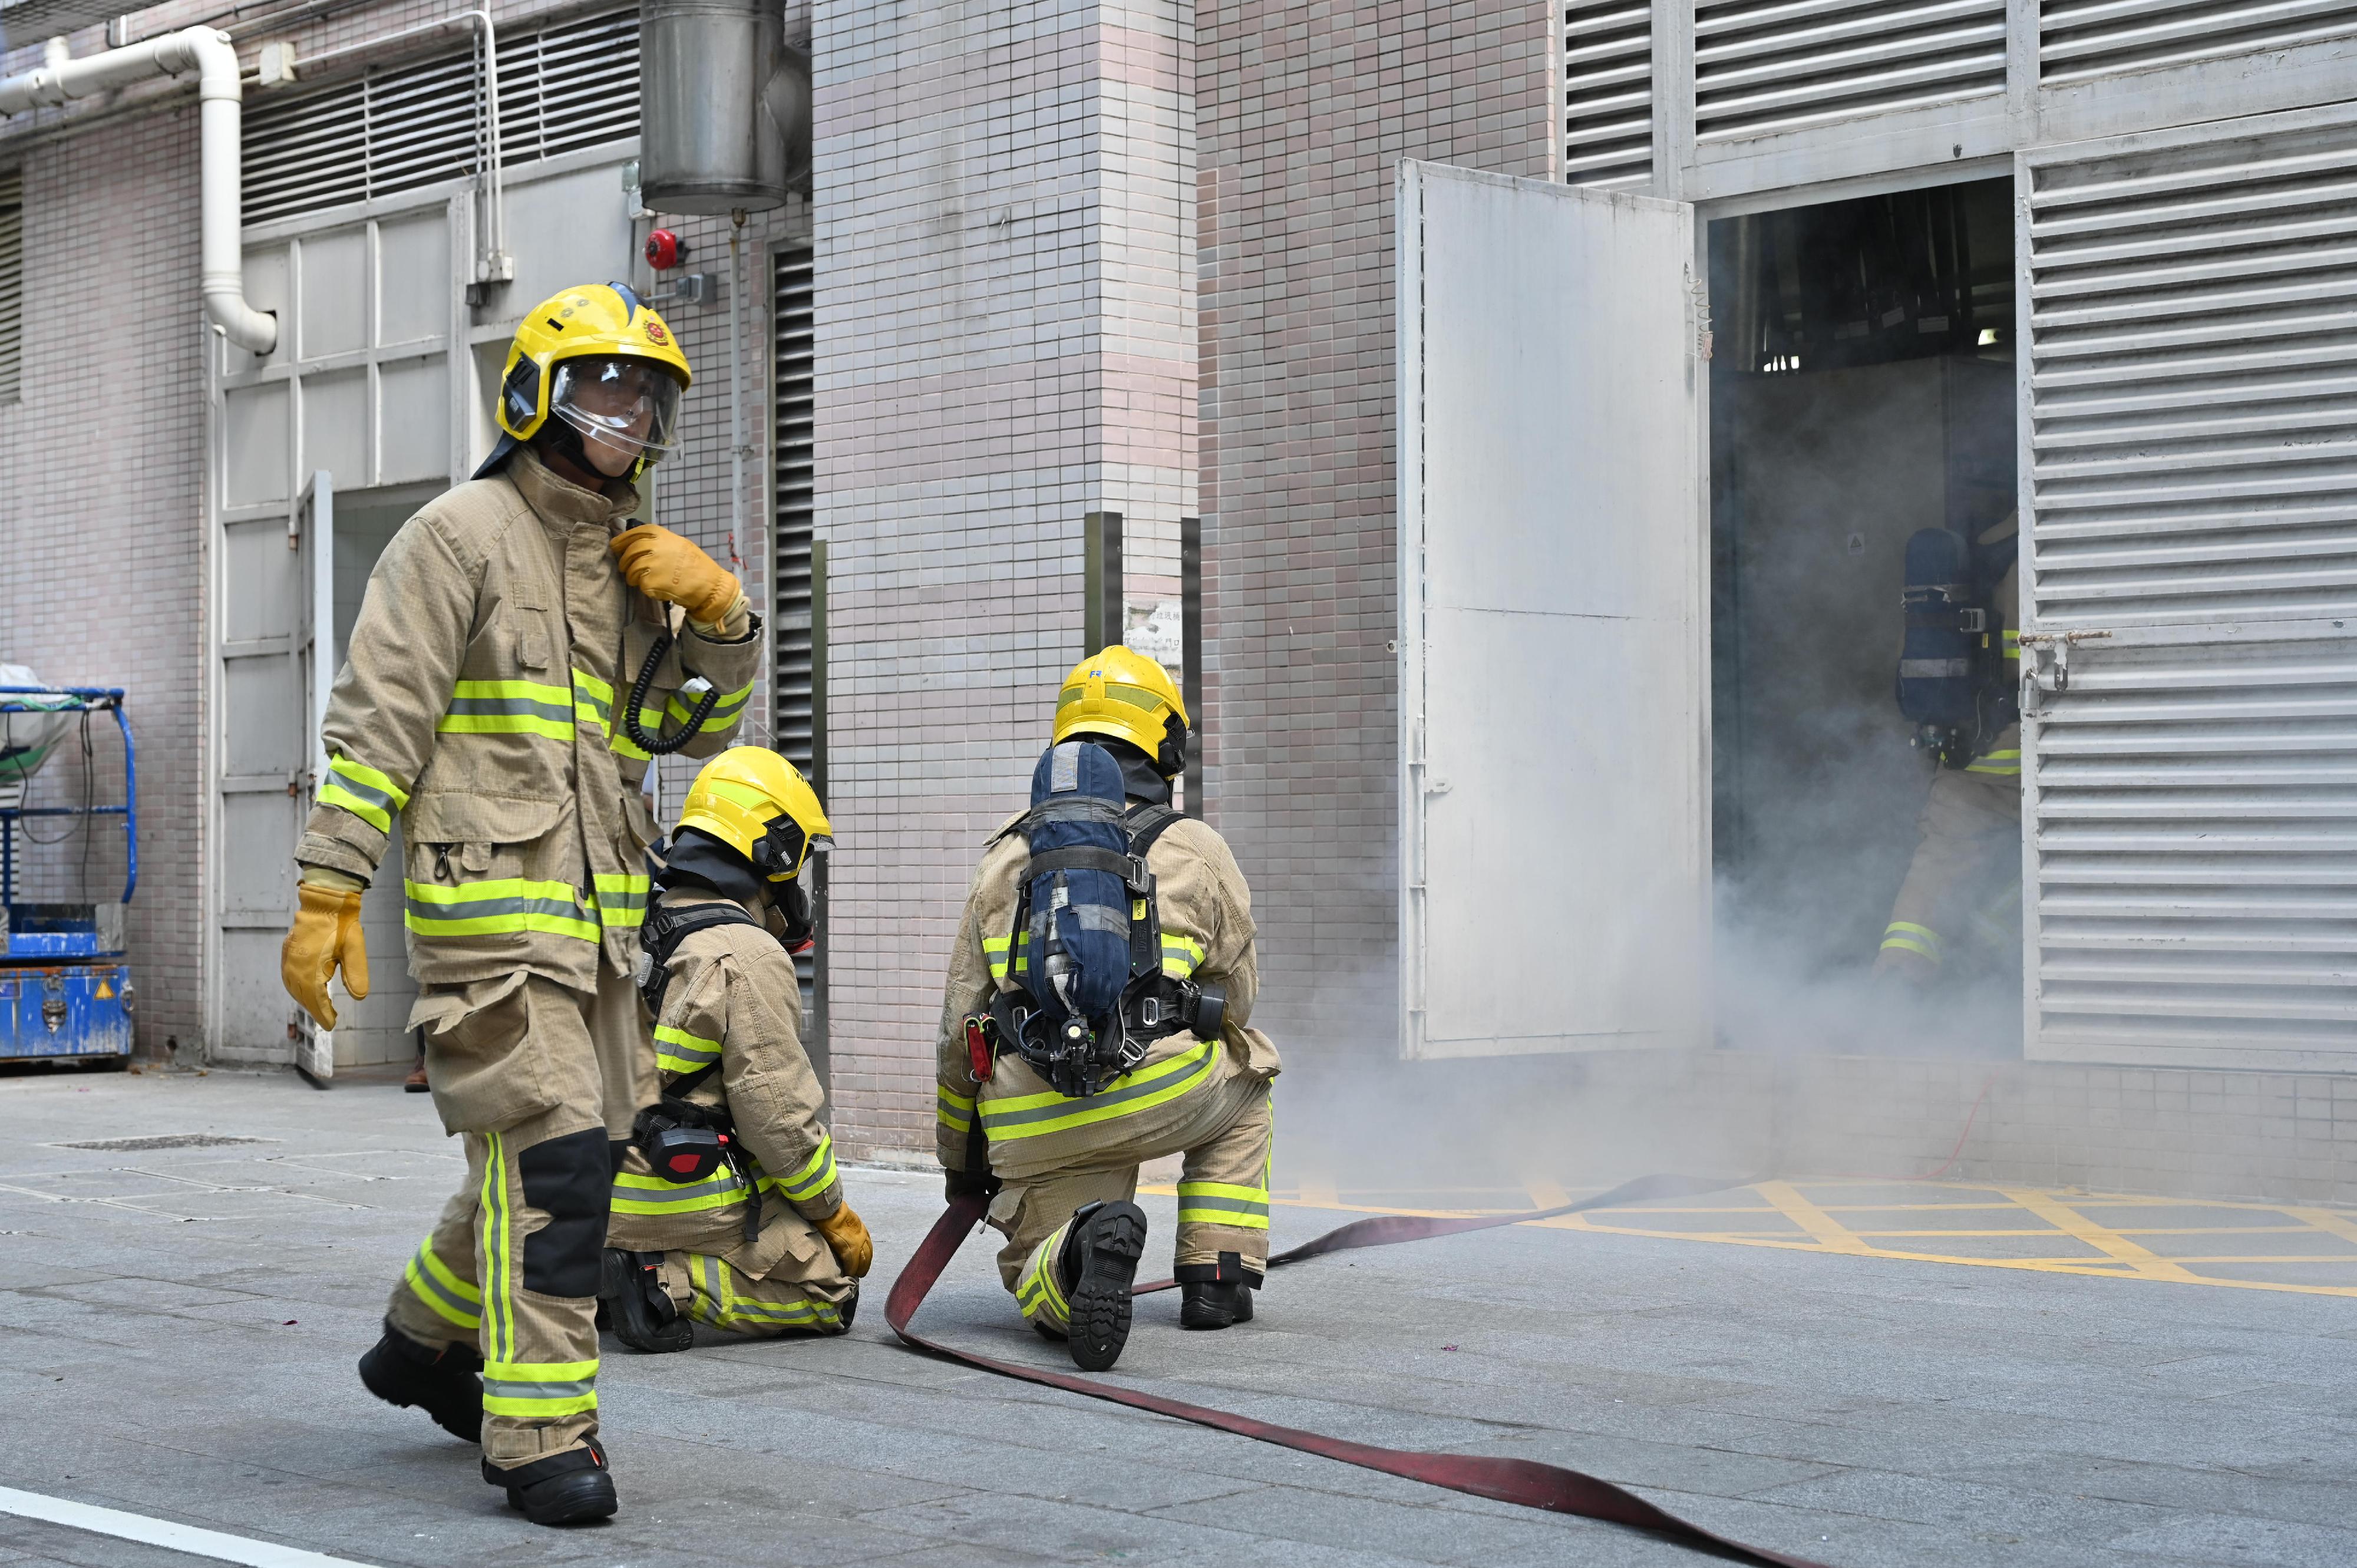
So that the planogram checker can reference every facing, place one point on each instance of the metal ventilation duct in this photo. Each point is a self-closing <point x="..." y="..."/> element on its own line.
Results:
<point x="724" y="106"/>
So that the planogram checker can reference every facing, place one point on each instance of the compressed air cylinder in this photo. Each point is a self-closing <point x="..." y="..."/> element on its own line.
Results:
<point x="724" y="106"/>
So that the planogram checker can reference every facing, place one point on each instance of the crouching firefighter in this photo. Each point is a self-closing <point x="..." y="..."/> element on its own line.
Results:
<point x="1960" y="681"/>
<point x="728" y="1209"/>
<point x="1095" y="1018"/>
<point x="520" y="653"/>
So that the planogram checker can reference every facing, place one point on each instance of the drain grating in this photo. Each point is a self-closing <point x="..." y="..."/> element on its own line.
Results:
<point x="168" y="1141"/>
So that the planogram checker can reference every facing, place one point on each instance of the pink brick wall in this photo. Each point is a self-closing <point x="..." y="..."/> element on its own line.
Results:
<point x="1305" y="113"/>
<point x="101" y="512"/>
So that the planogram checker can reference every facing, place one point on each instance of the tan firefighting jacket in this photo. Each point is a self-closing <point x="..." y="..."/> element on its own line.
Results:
<point x="1207" y="936"/>
<point x="733" y="999"/>
<point x="477" y="703"/>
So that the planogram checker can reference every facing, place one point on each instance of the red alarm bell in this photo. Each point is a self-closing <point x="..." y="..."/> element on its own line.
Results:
<point x="664" y="250"/>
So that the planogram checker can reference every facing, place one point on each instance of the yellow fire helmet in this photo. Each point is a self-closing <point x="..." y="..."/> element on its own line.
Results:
<point x="1123" y="693"/>
<point x="753" y="800"/>
<point x="598" y="358"/>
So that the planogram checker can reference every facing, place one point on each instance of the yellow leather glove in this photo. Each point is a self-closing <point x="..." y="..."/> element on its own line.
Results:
<point x="325" y="934"/>
<point x="847" y="1236"/>
<point x="663" y="565"/>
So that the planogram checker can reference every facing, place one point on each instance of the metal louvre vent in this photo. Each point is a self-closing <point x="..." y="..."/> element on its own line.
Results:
<point x="1608" y="92"/>
<point x="2196" y="847"/>
<point x="2098" y="37"/>
<point x="568" y="88"/>
<point x="12" y="285"/>
<point x="1766" y="65"/>
<point x="2193" y="387"/>
<point x="798" y="632"/>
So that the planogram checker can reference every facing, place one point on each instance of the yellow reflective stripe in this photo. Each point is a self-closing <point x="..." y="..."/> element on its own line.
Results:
<point x="370" y="795"/>
<point x="622" y="897"/>
<point x="589" y="686"/>
<point x="1030" y="1115"/>
<point x="497" y="905"/>
<point x="816" y="1174"/>
<point x="730" y="704"/>
<point x="636" y="1194"/>
<point x="505" y="724"/>
<point x="1180" y="955"/>
<point x="2012" y="643"/>
<point x="953" y="1110"/>
<point x="2005" y="761"/>
<point x="539" y="1391"/>
<point x="714" y="1300"/>
<point x="1036" y="1291"/>
<point x="499" y="1305"/>
<point x="1224" y="1203"/>
<point x="1909" y="936"/>
<point x="686" y="1052"/>
<point x="431" y="1281"/>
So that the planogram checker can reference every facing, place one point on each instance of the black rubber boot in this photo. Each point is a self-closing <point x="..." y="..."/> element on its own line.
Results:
<point x="1100" y="1258"/>
<point x="637" y="1307"/>
<point x="1214" y="1304"/>
<point x="442" y="1383"/>
<point x="571" y="1487"/>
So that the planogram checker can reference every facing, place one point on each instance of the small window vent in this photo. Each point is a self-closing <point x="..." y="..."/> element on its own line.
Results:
<point x="2078" y="39"/>
<point x="1608" y="92"/>
<point x="1768" y="66"/>
<point x="12" y="285"/>
<point x="560" y="91"/>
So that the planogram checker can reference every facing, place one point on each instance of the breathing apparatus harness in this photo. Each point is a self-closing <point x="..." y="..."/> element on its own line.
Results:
<point x="1087" y="919"/>
<point x="1952" y="682"/>
<point x="683" y="1141"/>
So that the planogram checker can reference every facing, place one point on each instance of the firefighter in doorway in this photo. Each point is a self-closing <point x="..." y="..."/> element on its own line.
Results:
<point x="1057" y="1149"/>
<point x="728" y="1209"/>
<point x="1971" y="820"/>
<point x="521" y="652"/>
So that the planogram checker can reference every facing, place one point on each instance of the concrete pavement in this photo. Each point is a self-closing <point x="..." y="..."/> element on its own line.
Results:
<point x="178" y="1328"/>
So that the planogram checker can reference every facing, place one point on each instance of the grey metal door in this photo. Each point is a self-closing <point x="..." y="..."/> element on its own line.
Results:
<point x="1553" y="803"/>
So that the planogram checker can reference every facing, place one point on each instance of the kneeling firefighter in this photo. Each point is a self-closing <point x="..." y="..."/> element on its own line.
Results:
<point x="522" y="652"/>
<point x="728" y="1209"/>
<point x="1959" y="678"/>
<point x="1095" y="1018"/>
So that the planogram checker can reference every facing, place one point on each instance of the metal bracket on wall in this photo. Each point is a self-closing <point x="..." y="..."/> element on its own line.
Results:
<point x="2046" y="662"/>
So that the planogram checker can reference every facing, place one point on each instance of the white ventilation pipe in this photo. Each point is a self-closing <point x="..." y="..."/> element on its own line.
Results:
<point x="212" y="59"/>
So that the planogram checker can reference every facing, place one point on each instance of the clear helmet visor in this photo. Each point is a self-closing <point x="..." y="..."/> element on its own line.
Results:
<point x="629" y="406"/>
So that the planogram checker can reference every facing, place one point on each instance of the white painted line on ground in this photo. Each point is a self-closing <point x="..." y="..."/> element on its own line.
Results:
<point x="164" y="1533"/>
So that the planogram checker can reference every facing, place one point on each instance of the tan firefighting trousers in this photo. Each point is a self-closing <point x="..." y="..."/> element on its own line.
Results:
<point x="1970" y="821"/>
<point x="510" y="1267"/>
<point x="1225" y="1127"/>
<point x="785" y="1280"/>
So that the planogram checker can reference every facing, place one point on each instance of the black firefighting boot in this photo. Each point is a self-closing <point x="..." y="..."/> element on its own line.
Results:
<point x="442" y="1383"/>
<point x="571" y="1487"/>
<point x="637" y="1307"/>
<point x="1099" y="1261"/>
<point x="1215" y="1296"/>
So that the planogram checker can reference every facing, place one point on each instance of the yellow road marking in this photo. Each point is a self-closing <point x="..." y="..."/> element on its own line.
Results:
<point x="1545" y="1194"/>
<point x="1828" y="1232"/>
<point x="1817" y="1230"/>
<point x="2102" y="1237"/>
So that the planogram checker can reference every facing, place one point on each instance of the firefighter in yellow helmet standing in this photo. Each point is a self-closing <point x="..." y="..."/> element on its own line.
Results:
<point x="520" y="653"/>
<point x="727" y="1208"/>
<point x="1096" y="1016"/>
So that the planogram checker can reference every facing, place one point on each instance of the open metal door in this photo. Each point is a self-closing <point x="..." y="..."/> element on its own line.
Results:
<point x="1555" y="805"/>
<point x="315" y="656"/>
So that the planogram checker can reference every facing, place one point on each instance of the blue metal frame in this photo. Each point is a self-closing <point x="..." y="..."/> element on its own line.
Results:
<point x="87" y="699"/>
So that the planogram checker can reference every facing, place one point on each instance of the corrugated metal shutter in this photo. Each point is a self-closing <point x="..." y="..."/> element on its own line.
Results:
<point x="1608" y="92"/>
<point x="797" y="631"/>
<point x="2081" y="38"/>
<point x="12" y="285"/>
<point x="2192" y="784"/>
<point x="1765" y="66"/>
<point x="568" y="88"/>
